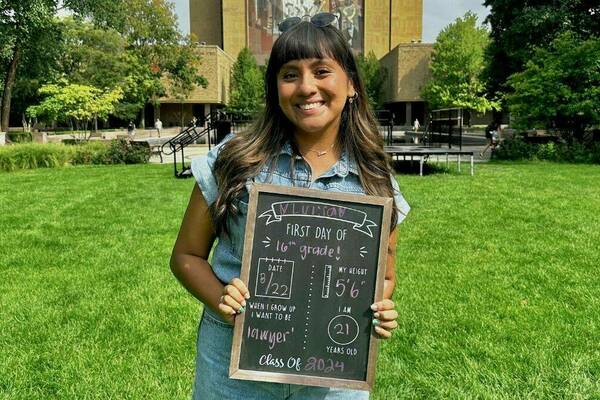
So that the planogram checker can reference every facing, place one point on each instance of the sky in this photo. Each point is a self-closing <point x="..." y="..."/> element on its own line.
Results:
<point x="436" y="14"/>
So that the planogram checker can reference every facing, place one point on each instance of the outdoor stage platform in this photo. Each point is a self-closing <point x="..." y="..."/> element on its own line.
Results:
<point x="423" y="154"/>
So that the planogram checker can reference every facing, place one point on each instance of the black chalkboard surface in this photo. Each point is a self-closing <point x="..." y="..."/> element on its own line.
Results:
<point x="313" y="262"/>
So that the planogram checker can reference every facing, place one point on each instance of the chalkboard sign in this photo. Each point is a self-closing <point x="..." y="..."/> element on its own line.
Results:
<point x="314" y="262"/>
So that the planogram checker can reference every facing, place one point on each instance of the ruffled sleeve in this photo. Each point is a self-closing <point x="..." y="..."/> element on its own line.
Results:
<point x="202" y="169"/>
<point x="403" y="207"/>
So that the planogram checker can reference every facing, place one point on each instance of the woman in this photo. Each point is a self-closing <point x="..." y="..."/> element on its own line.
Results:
<point x="316" y="131"/>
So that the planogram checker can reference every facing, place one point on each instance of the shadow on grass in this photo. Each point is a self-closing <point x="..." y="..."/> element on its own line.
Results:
<point x="408" y="167"/>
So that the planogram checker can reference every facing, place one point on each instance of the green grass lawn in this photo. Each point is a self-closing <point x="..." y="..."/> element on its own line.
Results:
<point x="498" y="285"/>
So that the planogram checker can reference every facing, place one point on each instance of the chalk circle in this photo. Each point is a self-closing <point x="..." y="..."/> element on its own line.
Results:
<point x="351" y="327"/>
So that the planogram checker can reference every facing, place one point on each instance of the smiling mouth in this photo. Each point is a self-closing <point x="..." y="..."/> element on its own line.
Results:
<point x="310" y="106"/>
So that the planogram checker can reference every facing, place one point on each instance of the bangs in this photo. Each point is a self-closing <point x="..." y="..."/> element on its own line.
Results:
<point x="306" y="41"/>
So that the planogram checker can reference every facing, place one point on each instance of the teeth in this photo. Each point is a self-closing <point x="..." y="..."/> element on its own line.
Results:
<point x="309" y="106"/>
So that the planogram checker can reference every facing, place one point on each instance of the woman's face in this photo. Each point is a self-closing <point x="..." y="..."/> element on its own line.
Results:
<point x="313" y="93"/>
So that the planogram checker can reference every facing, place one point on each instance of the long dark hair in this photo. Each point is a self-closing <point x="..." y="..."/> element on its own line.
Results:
<point x="244" y="155"/>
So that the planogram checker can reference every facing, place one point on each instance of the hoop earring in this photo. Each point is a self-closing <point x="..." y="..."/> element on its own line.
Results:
<point x="352" y="98"/>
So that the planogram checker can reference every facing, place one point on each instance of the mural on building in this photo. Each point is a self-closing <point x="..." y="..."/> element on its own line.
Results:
<point x="265" y="15"/>
<point x="350" y="19"/>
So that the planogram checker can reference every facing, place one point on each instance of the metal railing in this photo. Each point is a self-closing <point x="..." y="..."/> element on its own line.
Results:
<point x="444" y="126"/>
<point x="217" y="125"/>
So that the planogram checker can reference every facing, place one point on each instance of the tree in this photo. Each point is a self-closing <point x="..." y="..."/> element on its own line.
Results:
<point x="21" y="21"/>
<point x="85" y="53"/>
<point x="102" y="57"/>
<point x="456" y="66"/>
<point x="559" y="87"/>
<point x="150" y="28"/>
<point x="92" y="55"/>
<point x="149" y="31"/>
<point x="80" y="103"/>
<point x="247" y="85"/>
<point x="39" y="65"/>
<point x="518" y="27"/>
<point x="373" y="75"/>
<point x="182" y="69"/>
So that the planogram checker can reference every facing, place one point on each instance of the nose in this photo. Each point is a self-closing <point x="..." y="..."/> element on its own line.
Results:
<point x="307" y="85"/>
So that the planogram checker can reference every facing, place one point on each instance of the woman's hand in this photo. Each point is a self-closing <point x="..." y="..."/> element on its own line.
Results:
<point x="233" y="300"/>
<point x="384" y="318"/>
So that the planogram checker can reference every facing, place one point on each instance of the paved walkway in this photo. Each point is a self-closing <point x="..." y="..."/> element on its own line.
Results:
<point x="201" y="150"/>
<point x="189" y="152"/>
<point x="472" y="142"/>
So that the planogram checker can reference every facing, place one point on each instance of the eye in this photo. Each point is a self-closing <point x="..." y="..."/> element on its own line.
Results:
<point x="286" y="76"/>
<point x="321" y="71"/>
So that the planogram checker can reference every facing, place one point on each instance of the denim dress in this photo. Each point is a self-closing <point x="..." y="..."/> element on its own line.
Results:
<point x="215" y="335"/>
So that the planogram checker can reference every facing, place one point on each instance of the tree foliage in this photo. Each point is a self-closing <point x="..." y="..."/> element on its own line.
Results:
<point x="150" y="29"/>
<point x="40" y="64"/>
<point x="80" y="103"/>
<point x="101" y="57"/>
<point x="247" y="85"/>
<point x="182" y="69"/>
<point x="518" y="27"/>
<point x="456" y="67"/>
<point x="373" y="75"/>
<point x="559" y="87"/>
<point x="21" y="22"/>
<point x="92" y="55"/>
<point x="133" y="44"/>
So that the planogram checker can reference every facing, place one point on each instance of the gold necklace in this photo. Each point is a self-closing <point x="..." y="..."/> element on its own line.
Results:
<point x="321" y="153"/>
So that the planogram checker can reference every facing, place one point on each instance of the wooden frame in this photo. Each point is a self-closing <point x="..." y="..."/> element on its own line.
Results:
<point x="234" y="370"/>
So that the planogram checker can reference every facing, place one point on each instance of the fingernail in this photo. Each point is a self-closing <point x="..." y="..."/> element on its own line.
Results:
<point x="376" y="315"/>
<point x="376" y="322"/>
<point x="247" y="295"/>
<point x="241" y="310"/>
<point x="374" y="307"/>
<point x="243" y="303"/>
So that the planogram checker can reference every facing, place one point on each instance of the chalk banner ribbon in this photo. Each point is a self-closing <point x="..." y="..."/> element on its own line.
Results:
<point x="314" y="209"/>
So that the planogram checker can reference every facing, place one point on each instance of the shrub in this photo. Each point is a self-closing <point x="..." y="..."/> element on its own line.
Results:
<point x="90" y="153"/>
<point x="575" y="153"/>
<point x="562" y="152"/>
<point x="29" y="156"/>
<point x="595" y="153"/>
<point x="517" y="149"/>
<point x="122" y="151"/>
<point x="548" y="152"/>
<point x="73" y="141"/>
<point x="19" y="137"/>
<point x="118" y="151"/>
<point x="514" y="148"/>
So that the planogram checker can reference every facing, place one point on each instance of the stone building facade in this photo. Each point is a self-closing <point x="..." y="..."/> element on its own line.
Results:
<point x="407" y="68"/>
<point x="215" y="66"/>
<point x="392" y="29"/>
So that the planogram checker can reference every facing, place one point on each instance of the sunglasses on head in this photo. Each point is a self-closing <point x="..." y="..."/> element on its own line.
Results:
<point x="319" y="20"/>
